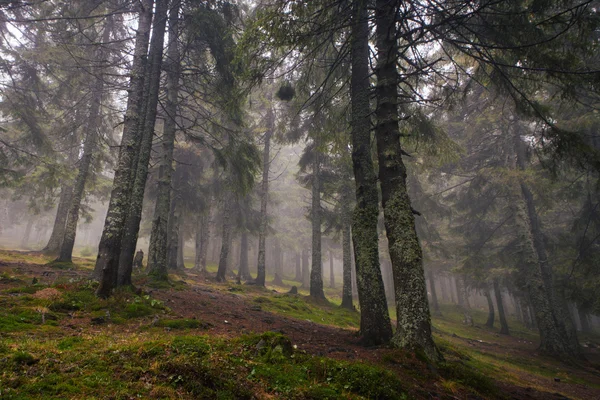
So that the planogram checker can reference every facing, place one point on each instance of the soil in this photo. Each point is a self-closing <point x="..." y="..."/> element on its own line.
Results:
<point x="230" y="314"/>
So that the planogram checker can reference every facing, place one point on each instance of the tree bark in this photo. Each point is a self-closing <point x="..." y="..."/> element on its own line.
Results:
<point x="413" y="328"/>
<point x="109" y="249"/>
<point x="225" y="242"/>
<point x="584" y="321"/>
<point x="157" y="251"/>
<point x="490" y="321"/>
<point x="89" y="149"/>
<point x="346" y="259"/>
<point x="264" y="199"/>
<point x="58" y="229"/>
<point x="202" y="238"/>
<point x="375" y="326"/>
<point x="562" y="318"/>
<point x="316" y="272"/>
<point x="501" y="314"/>
<point x="244" y="269"/>
<point x="180" y="263"/>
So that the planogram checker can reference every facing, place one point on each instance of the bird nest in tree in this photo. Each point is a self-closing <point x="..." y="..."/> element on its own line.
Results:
<point x="286" y="92"/>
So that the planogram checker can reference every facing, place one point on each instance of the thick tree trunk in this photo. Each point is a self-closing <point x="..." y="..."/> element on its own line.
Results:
<point x="560" y="312"/>
<point x="413" y="329"/>
<point x="133" y="203"/>
<point x="434" y="298"/>
<point x="490" y="321"/>
<point x="158" y="249"/>
<point x="346" y="256"/>
<point x="225" y="241"/>
<point x="109" y="249"/>
<point x="305" y="269"/>
<point x="552" y="341"/>
<point x="58" y="229"/>
<point x="85" y="163"/>
<point x="316" y="272"/>
<point x="375" y="326"/>
<point x="134" y="216"/>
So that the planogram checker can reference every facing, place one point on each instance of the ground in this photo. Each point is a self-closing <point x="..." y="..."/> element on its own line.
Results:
<point x="195" y="338"/>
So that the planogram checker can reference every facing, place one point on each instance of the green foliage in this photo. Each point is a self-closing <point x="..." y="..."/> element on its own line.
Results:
<point x="184" y="323"/>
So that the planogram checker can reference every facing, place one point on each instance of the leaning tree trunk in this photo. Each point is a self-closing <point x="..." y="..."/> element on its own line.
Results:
<point x="562" y="318"/>
<point x="109" y="249"/>
<point x="552" y="340"/>
<point x="225" y="241"/>
<point x="316" y="272"/>
<point x="58" y="230"/>
<point x="134" y="216"/>
<point x="501" y="314"/>
<point x="157" y="252"/>
<point x="346" y="258"/>
<point x="434" y="298"/>
<point x="85" y="163"/>
<point x="375" y="326"/>
<point x="264" y="199"/>
<point x="491" y="315"/>
<point x="413" y="328"/>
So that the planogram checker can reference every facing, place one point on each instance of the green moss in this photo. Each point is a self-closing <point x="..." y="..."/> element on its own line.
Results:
<point x="180" y="323"/>
<point x="68" y="343"/>
<point x="23" y="358"/>
<point x="468" y="376"/>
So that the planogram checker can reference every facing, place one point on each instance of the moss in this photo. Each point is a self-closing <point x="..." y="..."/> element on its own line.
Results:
<point x="23" y="358"/>
<point x="180" y="323"/>
<point x="468" y="376"/>
<point x="69" y="343"/>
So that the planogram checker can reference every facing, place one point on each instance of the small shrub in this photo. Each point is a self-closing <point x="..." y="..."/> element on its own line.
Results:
<point x="22" y="357"/>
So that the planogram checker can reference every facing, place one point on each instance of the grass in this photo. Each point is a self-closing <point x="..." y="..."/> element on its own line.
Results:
<point x="137" y="345"/>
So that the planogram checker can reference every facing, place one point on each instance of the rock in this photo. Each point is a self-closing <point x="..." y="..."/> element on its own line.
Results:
<point x="556" y="379"/>
<point x="268" y="320"/>
<point x="261" y="345"/>
<point x="256" y="308"/>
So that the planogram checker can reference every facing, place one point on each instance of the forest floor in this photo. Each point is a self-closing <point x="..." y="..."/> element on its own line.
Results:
<point x="195" y="338"/>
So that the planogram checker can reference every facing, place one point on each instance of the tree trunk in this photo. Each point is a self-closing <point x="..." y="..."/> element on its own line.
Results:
<point x="316" y="272"/>
<point x="225" y="242"/>
<point x="109" y="249"/>
<point x="346" y="255"/>
<point x="498" y="293"/>
<point x="553" y="340"/>
<point x="134" y="216"/>
<point x="157" y="251"/>
<point x="443" y="288"/>
<point x="202" y="238"/>
<point x="305" y="269"/>
<point x="89" y="149"/>
<point x="58" y="230"/>
<point x="434" y="298"/>
<point x="375" y="326"/>
<point x="173" y="234"/>
<point x="244" y="269"/>
<point x="490" y="321"/>
<point x="264" y="199"/>
<point x="27" y="233"/>
<point x="298" y="269"/>
<point x="331" y="274"/>
<point x="180" y="264"/>
<point x="560" y="312"/>
<point x="413" y="329"/>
